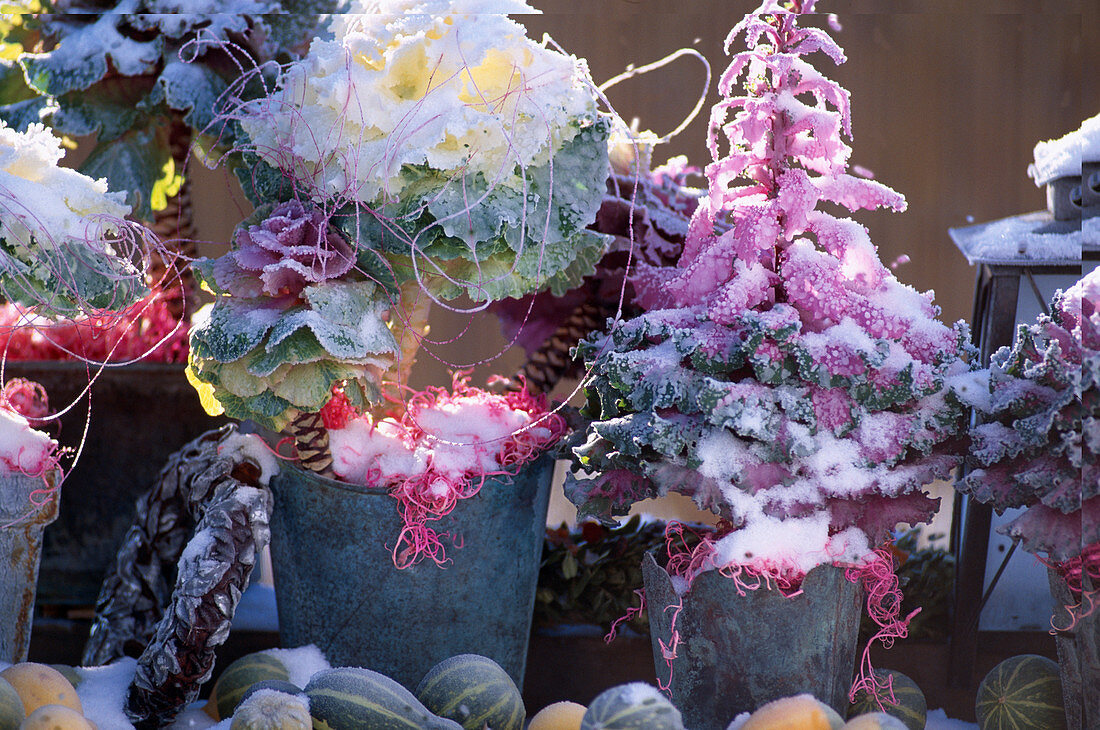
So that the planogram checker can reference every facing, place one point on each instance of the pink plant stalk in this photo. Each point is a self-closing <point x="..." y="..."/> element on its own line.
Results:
<point x="782" y="376"/>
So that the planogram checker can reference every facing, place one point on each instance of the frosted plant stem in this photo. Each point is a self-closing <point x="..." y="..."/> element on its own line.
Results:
<point x="409" y="326"/>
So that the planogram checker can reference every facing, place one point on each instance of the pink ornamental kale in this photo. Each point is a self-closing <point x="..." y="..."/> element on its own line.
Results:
<point x="1037" y="447"/>
<point x="289" y="249"/>
<point x="782" y="376"/>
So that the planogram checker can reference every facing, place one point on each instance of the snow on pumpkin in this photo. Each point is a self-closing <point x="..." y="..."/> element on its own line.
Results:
<point x="782" y="376"/>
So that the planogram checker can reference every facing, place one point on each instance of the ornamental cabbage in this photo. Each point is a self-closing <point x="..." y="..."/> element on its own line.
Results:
<point x="1038" y="442"/>
<point x="59" y="230"/>
<point x="782" y="377"/>
<point x="288" y="323"/>
<point x="138" y="74"/>
<point x="456" y="151"/>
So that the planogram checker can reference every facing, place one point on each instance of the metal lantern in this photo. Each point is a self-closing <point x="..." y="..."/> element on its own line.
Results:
<point x="1020" y="261"/>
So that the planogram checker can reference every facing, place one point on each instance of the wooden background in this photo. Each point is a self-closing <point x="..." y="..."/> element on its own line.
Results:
<point x="948" y="101"/>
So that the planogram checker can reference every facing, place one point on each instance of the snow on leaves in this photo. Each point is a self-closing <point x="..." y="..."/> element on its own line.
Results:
<point x="126" y="74"/>
<point x="64" y="245"/>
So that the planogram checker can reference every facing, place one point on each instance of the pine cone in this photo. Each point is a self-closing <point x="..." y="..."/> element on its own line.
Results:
<point x="311" y="442"/>
<point x="552" y="362"/>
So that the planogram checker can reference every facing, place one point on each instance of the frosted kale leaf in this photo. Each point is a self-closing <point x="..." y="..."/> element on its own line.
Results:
<point x="1037" y="443"/>
<point x="780" y="375"/>
<point x="127" y="70"/>
<point x="645" y="212"/>
<point x="504" y="238"/>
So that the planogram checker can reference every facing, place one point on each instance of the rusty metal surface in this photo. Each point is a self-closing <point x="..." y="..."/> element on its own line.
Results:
<point x="1078" y="655"/>
<point x="337" y="587"/>
<point x="738" y="652"/>
<point x="140" y="414"/>
<point x="21" y="527"/>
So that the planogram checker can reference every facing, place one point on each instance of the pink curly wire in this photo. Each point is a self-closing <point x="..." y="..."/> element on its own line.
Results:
<point x="28" y="399"/>
<point x="1073" y="572"/>
<point x="429" y="496"/>
<point x="879" y="579"/>
<point x="631" y="614"/>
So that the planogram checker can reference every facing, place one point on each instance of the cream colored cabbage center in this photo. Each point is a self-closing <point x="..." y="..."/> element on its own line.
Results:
<point x="454" y="86"/>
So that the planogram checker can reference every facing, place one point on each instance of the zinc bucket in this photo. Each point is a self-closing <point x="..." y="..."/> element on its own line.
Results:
<point x="147" y="408"/>
<point x="21" y="525"/>
<point x="738" y="652"/>
<point x="336" y="585"/>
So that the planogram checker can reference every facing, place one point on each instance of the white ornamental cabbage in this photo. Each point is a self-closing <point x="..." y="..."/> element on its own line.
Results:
<point x="57" y="227"/>
<point x="453" y="86"/>
<point x="45" y="204"/>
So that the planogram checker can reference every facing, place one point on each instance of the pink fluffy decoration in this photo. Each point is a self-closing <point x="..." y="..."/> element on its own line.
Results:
<point x="145" y="331"/>
<point x="23" y="449"/>
<point x="438" y="451"/>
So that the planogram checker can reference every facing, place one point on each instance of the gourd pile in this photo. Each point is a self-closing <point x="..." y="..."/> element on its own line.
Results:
<point x="472" y="692"/>
<point x="40" y="697"/>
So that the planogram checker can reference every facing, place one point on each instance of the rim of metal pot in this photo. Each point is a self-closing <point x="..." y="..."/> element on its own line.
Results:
<point x="329" y="483"/>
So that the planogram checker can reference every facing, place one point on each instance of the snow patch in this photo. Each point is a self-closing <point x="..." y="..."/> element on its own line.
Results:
<point x="1062" y="157"/>
<point x="250" y="447"/>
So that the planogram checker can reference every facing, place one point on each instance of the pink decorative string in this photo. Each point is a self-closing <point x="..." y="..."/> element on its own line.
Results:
<point x="631" y="614"/>
<point x="687" y="563"/>
<point x="880" y="581"/>
<point x="427" y="497"/>
<point x="669" y="650"/>
<point x="28" y="399"/>
<point x="1073" y="573"/>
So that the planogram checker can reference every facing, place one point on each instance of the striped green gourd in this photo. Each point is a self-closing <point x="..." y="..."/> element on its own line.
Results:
<point x="911" y="707"/>
<point x="633" y="706"/>
<point x="279" y="685"/>
<point x="11" y="706"/>
<point x="349" y="698"/>
<point x="235" y="680"/>
<point x="1021" y="693"/>
<point x="475" y="692"/>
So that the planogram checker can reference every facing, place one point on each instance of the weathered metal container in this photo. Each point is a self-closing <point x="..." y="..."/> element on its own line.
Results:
<point x="1078" y="641"/>
<point x="22" y="522"/>
<point x="140" y="414"/>
<point x="336" y="585"/>
<point x="737" y="652"/>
